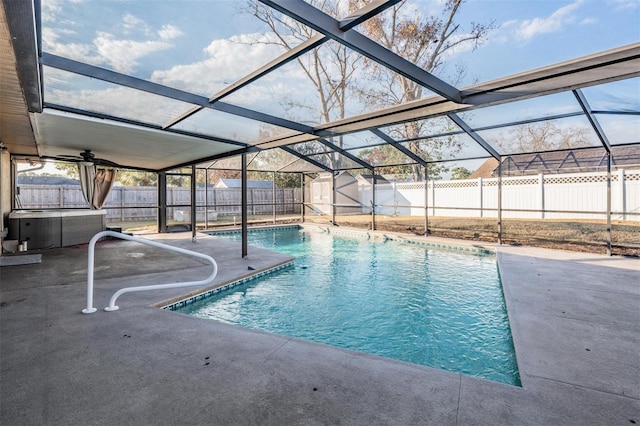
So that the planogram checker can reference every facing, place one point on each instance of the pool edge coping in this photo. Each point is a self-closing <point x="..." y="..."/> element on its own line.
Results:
<point x="459" y="245"/>
<point x="203" y="293"/>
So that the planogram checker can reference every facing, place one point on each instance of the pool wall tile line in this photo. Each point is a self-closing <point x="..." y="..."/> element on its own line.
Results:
<point x="377" y="235"/>
<point x="261" y="229"/>
<point x="200" y="296"/>
<point x="397" y="238"/>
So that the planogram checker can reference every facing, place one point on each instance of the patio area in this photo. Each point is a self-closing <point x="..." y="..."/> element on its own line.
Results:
<point x="518" y="126"/>
<point x="574" y="319"/>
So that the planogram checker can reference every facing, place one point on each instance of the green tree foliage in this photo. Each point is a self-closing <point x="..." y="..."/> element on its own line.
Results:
<point x="390" y="160"/>
<point x="283" y="180"/>
<point x="137" y="178"/>
<point x="69" y="169"/>
<point x="460" y="173"/>
<point x="273" y="160"/>
<point x="124" y="177"/>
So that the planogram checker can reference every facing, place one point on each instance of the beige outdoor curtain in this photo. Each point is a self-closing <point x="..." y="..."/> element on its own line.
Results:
<point x="87" y="173"/>
<point x="95" y="184"/>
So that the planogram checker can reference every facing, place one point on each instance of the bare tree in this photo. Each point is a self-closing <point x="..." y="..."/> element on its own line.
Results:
<point x="330" y="67"/>
<point x="544" y="136"/>
<point x="333" y="69"/>
<point x="426" y="41"/>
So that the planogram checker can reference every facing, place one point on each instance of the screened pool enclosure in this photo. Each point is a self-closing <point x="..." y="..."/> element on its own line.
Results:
<point x="353" y="112"/>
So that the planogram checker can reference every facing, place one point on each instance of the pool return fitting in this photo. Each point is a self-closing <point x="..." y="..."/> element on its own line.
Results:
<point x="112" y="303"/>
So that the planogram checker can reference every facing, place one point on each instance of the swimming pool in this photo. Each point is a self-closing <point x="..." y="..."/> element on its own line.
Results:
<point x="433" y="307"/>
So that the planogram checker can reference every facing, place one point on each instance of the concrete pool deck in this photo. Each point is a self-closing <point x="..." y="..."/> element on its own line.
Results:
<point x="575" y="319"/>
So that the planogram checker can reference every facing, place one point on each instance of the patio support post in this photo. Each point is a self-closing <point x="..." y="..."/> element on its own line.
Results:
<point x="243" y="192"/>
<point x="333" y="198"/>
<point x="273" y="197"/>
<point x="373" y="199"/>
<point x="162" y="202"/>
<point x="194" y="219"/>
<point x="302" y="188"/>
<point x="609" y="203"/>
<point x="4" y="152"/>
<point x="426" y="200"/>
<point x="589" y="114"/>
<point x="500" y="200"/>
<point x="206" y="198"/>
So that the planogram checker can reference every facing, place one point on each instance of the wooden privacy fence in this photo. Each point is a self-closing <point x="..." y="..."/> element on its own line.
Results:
<point x="131" y="203"/>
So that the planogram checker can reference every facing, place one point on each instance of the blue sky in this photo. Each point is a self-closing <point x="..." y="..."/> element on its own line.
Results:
<point x="143" y="36"/>
<point x="201" y="46"/>
<point x="533" y="34"/>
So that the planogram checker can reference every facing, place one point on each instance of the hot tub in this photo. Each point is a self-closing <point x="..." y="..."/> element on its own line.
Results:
<point x="55" y="228"/>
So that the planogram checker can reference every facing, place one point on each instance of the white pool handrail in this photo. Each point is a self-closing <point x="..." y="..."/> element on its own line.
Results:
<point x="112" y="303"/>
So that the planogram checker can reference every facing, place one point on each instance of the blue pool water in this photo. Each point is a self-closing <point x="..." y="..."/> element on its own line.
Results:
<point x="434" y="307"/>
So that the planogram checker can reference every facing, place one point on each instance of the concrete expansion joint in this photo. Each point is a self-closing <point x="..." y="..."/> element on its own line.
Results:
<point x="273" y="352"/>
<point x="586" y="320"/>
<point x="583" y="387"/>
<point x="459" y="399"/>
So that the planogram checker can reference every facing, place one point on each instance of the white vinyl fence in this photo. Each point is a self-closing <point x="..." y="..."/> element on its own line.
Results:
<point x="130" y="203"/>
<point x="557" y="196"/>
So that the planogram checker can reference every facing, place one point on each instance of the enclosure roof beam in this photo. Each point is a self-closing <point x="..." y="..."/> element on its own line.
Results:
<point x="327" y="25"/>
<point x="304" y="47"/>
<point x="246" y="150"/>
<point x="368" y="11"/>
<point x="305" y="158"/>
<point x="345" y="153"/>
<point x="210" y="165"/>
<point x="279" y="170"/>
<point x="388" y="139"/>
<point x="476" y="137"/>
<point x="251" y="161"/>
<point x="311" y="43"/>
<point x="497" y="126"/>
<point x="616" y="112"/>
<point x="564" y="160"/>
<point x="98" y="73"/>
<point x="613" y="65"/>
<point x="582" y="100"/>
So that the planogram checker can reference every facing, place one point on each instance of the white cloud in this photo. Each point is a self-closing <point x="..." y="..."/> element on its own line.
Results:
<point x="620" y="130"/>
<point x="169" y="32"/>
<point x="52" y="13"/>
<point x="625" y="4"/>
<point x="222" y="65"/>
<point x="77" y="51"/>
<point x="555" y="22"/>
<point x="119" y="48"/>
<point x="49" y="10"/>
<point x="123" y="55"/>
<point x="128" y="103"/>
<point x="130" y="22"/>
